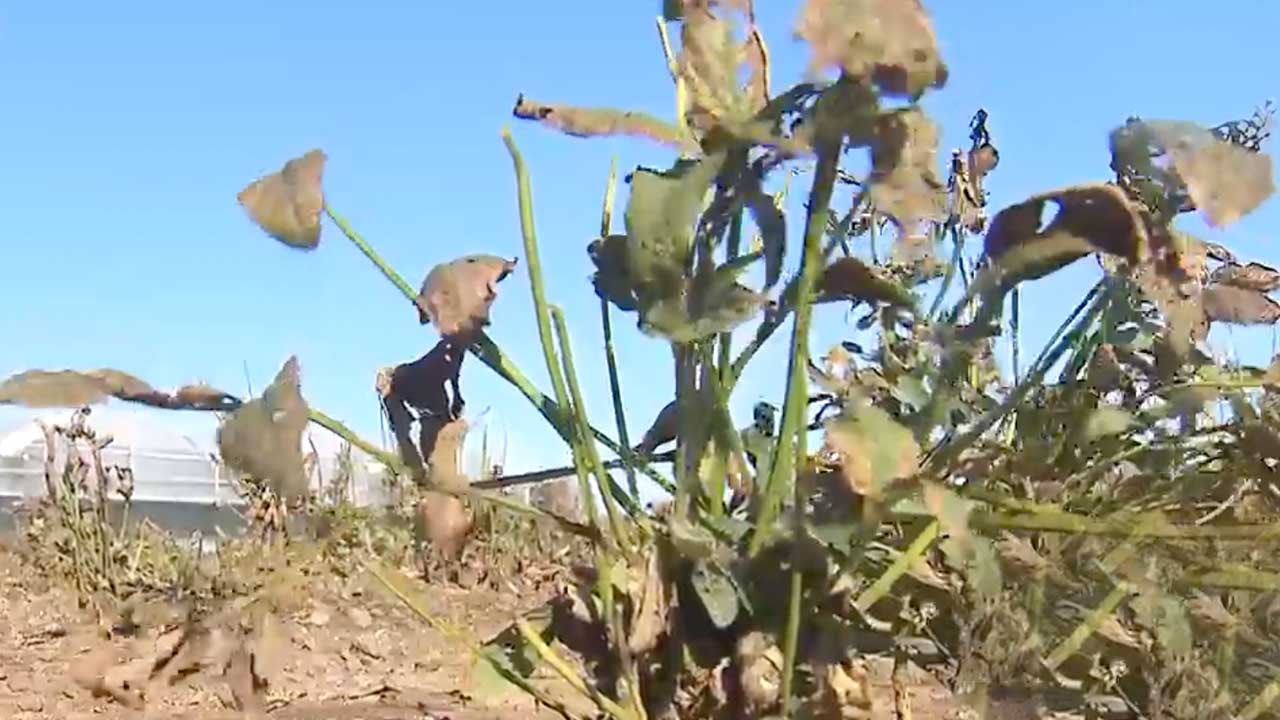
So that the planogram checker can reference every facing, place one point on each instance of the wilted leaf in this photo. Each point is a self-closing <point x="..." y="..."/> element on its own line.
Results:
<point x="660" y="216"/>
<point x="593" y="122"/>
<point x="721" y="307"/>
<point x="890" y="42"/>
<point x="1224" y="180"/>
<point x="652" y="604"/>
<point x="70" y="388"/>
<point x="717" y="591"/>
<point x="709" y="61"/>
<point x="611" y="279"/>
<point x="1254" y="276"/>
<point x="263" y="438"/>
<point x="876" y="450"/>
<point x="1106" y="420"/>
<point x="904" y="182"/>
<point x="286" y="204"/>
<point x="851" y="279"/>
<point x="1090" y="218"/>
<point x="1239" y="306"/>
<point x="459" y="294"/>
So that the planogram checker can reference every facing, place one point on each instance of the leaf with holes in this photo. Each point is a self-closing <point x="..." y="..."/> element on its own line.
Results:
<point x="458" y="294"/>
<point x="875" y="449"/>
<point x="263" y="438"/>
<point x="286" y="204"/>
<point x="890" y="42"/>
<point x="660" y="217"/>
<point x="1238" y="306"/>
<point x="1090" y="218"/>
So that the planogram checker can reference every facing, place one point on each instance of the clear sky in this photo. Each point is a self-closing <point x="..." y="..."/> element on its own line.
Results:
<point x="129" y="128"/>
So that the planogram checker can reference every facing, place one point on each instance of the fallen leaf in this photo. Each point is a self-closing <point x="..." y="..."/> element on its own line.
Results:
<point x="263" y="438"/>
<point x="286" y="204"/>
<point x="458" y="294"/>
<point x="890" y="42"/>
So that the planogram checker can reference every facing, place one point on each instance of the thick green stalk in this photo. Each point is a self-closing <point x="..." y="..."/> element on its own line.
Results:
<point x="585" y="445"/>
<point x="783" y="461"/>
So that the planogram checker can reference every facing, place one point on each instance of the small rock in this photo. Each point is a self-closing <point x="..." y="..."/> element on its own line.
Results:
<point x="319" y="617"/>
<point x="360" y="617"/>
<point x="31" y="704"/>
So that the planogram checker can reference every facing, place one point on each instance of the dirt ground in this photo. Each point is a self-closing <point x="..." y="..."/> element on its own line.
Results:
<point x="353" y="652"/>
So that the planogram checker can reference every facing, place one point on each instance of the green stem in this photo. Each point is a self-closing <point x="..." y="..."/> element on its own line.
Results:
<point x="791" y="640"/>
<point x="585" y="446"/>
<point x="783" y="461"/>
<point x="733" y="247"/>
<point x="606" y="326"/>
<point x="899" y="567"/>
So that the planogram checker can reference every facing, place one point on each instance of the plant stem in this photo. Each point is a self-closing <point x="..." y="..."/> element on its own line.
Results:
<point x="900" y="565"/>
<point x="566" y="672"/>
<point x="783" y="460"/>
<point x="606" y="326"/>
<point x="585" y="446"/>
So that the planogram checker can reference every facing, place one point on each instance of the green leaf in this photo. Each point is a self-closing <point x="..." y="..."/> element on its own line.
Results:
<point x="876" y="449"/>
<point x="719" y="305"/>
<point x="718" y="592"/>
<point x="660" y="216"/>
<point x="1106" y="420"/>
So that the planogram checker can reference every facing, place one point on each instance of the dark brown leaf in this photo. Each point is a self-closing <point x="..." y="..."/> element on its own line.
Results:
<point x="1254" y="276"/>
<point x="890" y="42"/>
<point x="263" y="438"/>
<point x="1239" y="306"/>
<point x="286" y="204"/>
<point x="458" y="294"/>
<point x="662" y="431"/>
<point x="851" y="279"/>
<point x="1090" y="218"/>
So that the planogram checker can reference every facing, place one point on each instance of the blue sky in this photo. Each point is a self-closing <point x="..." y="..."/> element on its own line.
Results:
<point x="130" y="127"/>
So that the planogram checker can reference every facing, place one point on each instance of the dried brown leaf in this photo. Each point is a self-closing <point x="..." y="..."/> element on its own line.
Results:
<point x="891" y="42"/>
<point x="904" y="181"/>
<point x="596" y="122"/>
<point x="1090" y="218"/>
<point x="709" y="60"/>
<point x="851" y="279"/>
<point x="263" y="438"/>
<point x="875" y="450"/>
<point x="652" y="603"/>
<point x="286" y="204"/>
<point x="445" y="519"/>
<point x="458" y="294"/>
<point x="1225" y="181"/>
<point x="1238" y="306"/>
<point x="1254" y="276"/>
<point x="54" y="388"/>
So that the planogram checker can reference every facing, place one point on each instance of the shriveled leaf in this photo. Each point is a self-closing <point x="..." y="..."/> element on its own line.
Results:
<point x="594" y="122"/>
<point x="852" y="279"/>
<point x="70" y="388"/>
<point x="1106" y="420"/>
<point x="904" y="182"/>
<point x="1254" y="276"/>
<point x="1239" y="306"/>
<point x="286" y="204"/>
<point x="717" y="592"/>
<point x="875" y="449"/>
<point x="1021" y="555"/>
<point x="263" y="438"/>
<point x="611" y="279"/>
<point x="719" y="305"/>
<point x="890" y="42"/>
<point x="1090" y="218"/>
<point x="459" y="294"/>
<point x="709" y="61"/>
<point x="652" y="605"/>
<point x="660" y="216"/>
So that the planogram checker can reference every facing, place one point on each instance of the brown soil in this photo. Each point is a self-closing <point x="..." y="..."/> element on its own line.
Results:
<point x="353" y="653"/>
